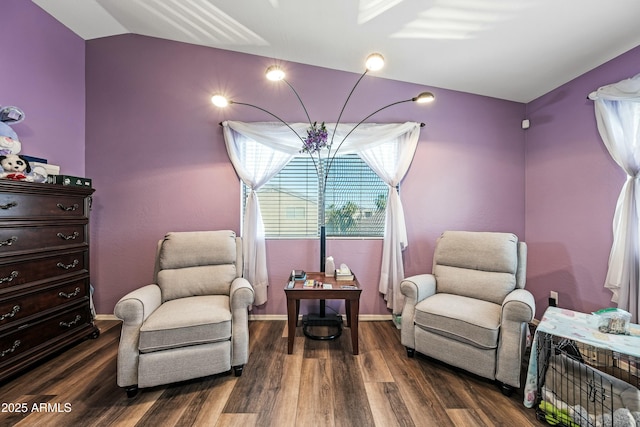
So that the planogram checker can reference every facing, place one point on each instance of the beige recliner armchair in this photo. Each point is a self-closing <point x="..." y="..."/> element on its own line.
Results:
<point x="472" y="312"/>
<point x="193" y="321"/>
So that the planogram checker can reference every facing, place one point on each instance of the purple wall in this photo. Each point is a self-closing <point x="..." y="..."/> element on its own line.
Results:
<point x="155" y="151"/>
<point x="156" y="154"/>
<point x="572" y="185"/>
<point x="43" y="74"/>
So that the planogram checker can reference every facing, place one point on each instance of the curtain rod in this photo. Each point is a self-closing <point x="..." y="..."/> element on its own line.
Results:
<point x="421" y="124"/>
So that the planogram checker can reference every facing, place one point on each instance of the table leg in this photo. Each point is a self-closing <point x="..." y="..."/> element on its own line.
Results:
<point x="347" y="307"/>
<point x="293" y="306"/>
<point x="353" y="308"/>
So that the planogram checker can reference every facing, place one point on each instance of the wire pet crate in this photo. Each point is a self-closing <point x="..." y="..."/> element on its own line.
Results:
<point x="580" y="384"/>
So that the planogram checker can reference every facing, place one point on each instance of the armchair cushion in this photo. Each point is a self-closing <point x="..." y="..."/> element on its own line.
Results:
<point x="485" y="285"/>
<point x="190" y="249"/>
<point x="468" y="250"/>
<point x="185" y="322"/>
<point x="197" y="263"/>
<point x="469" y="320"/>
<point x="194" y="281"/>
<point x="461" y="265"/>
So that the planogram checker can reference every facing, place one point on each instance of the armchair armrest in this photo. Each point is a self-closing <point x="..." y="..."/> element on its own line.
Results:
<point x="133" y="309"/>
<point x="136" y="306"/>
<point x="418" y="287"/>
<point x="241" y="297"/>
<point x="415" y="289"/>
<point x="518" y="306"/>
<point x="241" y="294"/>
<point x="518" y="309"/>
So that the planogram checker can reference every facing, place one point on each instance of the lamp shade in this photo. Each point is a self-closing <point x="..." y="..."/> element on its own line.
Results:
<point x="274" y="73"/>
<point x="374" y="62"/>
<point x="219" y="101"/>
<point x="424" y="97"/>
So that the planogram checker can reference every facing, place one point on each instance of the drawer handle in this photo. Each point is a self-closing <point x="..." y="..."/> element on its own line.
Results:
<point x="74" y="207"/>
<point x="72" y="323"/>
<point x="70" y="236"/>
<point x="13" y="312"/>
<point x="68" y="266"/>
<point x="9" y="241"/>
<point x="11" y="349"/>
<point x="71" y="295"/>
<point x="9" y="278"/>
<point x="9" y="205"/>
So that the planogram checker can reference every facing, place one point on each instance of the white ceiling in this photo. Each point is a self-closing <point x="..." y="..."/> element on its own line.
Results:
<point x="510" y="49"/>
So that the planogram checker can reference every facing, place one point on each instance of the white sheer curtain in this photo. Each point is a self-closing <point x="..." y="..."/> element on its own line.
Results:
<point x="617" y="109"/>
<point x="258" y="151"/>
<point x="257" y="157"/>
<point x="390" y="160"/>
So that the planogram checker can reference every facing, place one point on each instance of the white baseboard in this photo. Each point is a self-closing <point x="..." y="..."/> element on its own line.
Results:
<point x="106" y="317"/>
<point x="361" y="317"/>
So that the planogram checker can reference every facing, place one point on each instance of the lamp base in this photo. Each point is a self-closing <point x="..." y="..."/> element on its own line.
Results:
<point x="331" y="321"/>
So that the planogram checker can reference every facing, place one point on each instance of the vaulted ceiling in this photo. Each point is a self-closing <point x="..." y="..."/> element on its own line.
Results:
<point x="516" y="50"/>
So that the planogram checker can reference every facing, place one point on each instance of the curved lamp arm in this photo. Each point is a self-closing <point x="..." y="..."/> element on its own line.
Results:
<point x="343" y="107"/>
<point x="421" y="98"/>
<point x="299" y="99"/>
<point x="276" y="74"/>
<point x="222" y="102"/>
<point x="374" y="62"/>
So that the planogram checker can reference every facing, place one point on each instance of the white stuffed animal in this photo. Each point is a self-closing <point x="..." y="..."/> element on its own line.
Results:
<point x="17" y="168"/>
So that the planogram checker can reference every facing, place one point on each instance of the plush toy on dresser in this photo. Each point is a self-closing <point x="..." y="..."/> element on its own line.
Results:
<point x="14" y="166"/>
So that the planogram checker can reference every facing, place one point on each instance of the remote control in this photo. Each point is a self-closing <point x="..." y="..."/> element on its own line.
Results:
<point x="291" y="284"/>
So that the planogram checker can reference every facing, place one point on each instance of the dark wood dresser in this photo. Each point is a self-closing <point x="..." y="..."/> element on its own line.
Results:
<point x="44" y="271"/>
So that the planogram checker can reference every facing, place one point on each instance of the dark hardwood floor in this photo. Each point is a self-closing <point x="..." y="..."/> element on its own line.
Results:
<point x="321" y="384"/>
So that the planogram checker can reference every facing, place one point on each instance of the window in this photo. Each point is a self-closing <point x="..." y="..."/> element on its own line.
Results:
<point x="355" y="200"/>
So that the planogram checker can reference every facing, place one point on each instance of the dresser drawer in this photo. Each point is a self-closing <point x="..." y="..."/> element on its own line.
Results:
<point x="49" y="266"/>
<point x="42" y="300"/>
<point x="30" y="238"/>
<point x="30" y="336"/>
<point x="23" y="205"/>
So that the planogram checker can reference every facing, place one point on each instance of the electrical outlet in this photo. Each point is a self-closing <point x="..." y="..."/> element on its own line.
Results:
<point x="553" y="298"/>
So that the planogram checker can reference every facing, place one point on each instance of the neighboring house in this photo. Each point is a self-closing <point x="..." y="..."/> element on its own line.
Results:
<point x="283" y="210"/>
<point x="290" y="214"/>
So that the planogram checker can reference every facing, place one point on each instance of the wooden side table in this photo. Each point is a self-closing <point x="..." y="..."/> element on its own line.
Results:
<point x="350" y="293"/>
